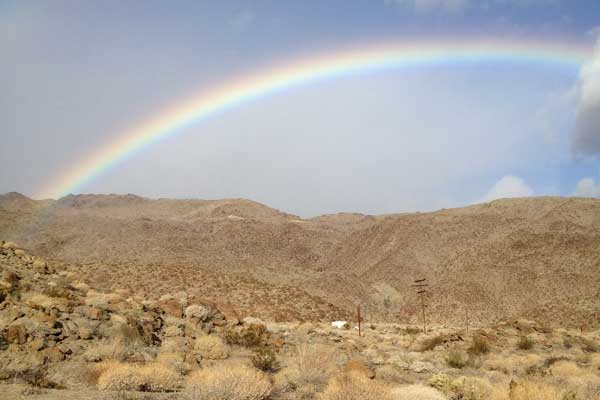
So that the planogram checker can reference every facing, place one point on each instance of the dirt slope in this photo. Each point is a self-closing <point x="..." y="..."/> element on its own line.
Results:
<point x="534" y="257"/>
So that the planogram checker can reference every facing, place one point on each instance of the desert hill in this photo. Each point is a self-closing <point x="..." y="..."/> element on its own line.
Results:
<point x="533" y="257"/>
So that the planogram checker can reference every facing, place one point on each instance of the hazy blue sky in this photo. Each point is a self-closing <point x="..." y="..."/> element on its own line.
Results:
<point x="75" y="74"/>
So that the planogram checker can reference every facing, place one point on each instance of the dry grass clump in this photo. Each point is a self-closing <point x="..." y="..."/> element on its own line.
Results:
<point x="253" y="335"/>
<point x="310" y="367"/>
<point x="211" y="347"/>
<point x="417" y="392"/>
<point x="152" y="377"/>
<point x="590" y="345"/>
<point x="569" y="373"/>
<point x="512" y="364"/>
<point x="265" y="360"/>
<point x="456" y="359"/>
<point x="231" y="382"/>
<point x="431" y="343"/>
<point x="355" y="386"/>
<point x="479" y="346"/>
<point x="528" y="390"/>
<point x="525" y="343"/>
<point x="465" y="388"/>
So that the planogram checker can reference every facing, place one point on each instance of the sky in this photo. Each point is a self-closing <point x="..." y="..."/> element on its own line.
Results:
<point x="74" y="76"/>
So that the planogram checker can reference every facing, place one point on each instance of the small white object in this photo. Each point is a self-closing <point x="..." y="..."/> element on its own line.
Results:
<point x="340" y="324"/>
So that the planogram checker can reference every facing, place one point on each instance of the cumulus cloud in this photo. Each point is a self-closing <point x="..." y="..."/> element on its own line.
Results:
<point x="508" y="186"/>
<point x="587" y="132"/>
<point x="587" y="187"/>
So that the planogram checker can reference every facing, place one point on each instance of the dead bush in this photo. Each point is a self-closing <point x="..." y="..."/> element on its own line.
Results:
<point x="154" y="377"/>
<point x="310" y="366"/>
<point x="355" y="386"/>
<point x="253" y="335"/>
<point x="456" y="359"/>
<point x="479" y="346"/>
<point x="211" y="347"/>
<point x="525" y="343"/>
<point x="431" y="343"/>
<point x="231" y="382"/>
<point x="265" y="360"/>
<point x="528" y="390"/>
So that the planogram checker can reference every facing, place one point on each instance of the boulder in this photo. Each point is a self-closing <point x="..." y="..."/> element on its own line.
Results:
<point x="422" y="367"/>
<point x="197" y="311"/>
<point x="17" y="334"/>
<point x="20" y="253"/>
<point x="94" y="313"/>
<point x="171" y="307"/>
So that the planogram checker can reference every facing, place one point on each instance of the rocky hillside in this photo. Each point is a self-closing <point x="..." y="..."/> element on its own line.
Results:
<point x="534" y="257"/>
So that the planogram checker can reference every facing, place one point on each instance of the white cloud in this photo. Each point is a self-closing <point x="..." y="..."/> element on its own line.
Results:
<point x="587" y="134"/>
<point x="594" y="32"/>
<point x="587" y="187"/>
<point x="508" y="186"/>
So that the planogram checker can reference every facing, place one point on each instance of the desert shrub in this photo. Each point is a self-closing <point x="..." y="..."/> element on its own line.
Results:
<point x="211" y="347"/>
<point x="265" y="360"/>
<point x="568" y="342"/>
<point x="391" y="374"/>
<point x="229" y="382"/>
<point x="432" y="343"/>
<point x="154" y="377"/>
<point x="590" y="346"/>
<point x="525" y="343"/>
<point x="121" y="377"/>
<point x="472" y="388"/>
<point x="310" y="366"/>
<point x="464" y="388"/>
<point x="528" y="390"/>
<point x="455" y="359"/>
<point x="411" y="330"/>
<point x="479" y="346"/>
<point x="252" y="335"/>
<point x="106" y="350"/>
<point x="38" y="378"/>
<point x="355" y="386"/>
<point x="417" y="392"/>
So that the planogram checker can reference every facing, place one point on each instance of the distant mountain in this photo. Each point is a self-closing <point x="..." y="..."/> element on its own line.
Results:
<point x="532" y="257"/>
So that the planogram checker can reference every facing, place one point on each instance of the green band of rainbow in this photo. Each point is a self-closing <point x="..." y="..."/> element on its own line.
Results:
<point x="309" y="70"/>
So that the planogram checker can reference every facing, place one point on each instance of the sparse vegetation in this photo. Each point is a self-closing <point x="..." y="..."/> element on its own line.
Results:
<point x="432" y="342"/>
<point x="212" y="347"/>
<point x="479" y="346"/>
<point x="265" y="360"/>
<point x="231" y="382"/>
<point x="525" y="343"/>
<point x="355" y="386"/>
<point x="153" y="377"/>
<point x="456" y="359"/>
<point x="253" y="335"/>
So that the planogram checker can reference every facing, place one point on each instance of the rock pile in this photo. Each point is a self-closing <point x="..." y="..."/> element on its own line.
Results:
<point x="47" y="315"/>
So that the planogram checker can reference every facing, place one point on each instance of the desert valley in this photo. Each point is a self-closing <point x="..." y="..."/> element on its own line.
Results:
<point x="124" y="297"/>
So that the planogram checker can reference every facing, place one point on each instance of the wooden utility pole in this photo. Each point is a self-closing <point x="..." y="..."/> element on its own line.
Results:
<point x="359" y="320"/>
<point x="420" y="285"/>
<point x="467" y="318"/>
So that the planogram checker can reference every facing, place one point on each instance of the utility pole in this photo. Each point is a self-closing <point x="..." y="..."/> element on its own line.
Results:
<point x="421" y="285"/>
<point x="359" y="329"/>
<point x="467" y="318"/>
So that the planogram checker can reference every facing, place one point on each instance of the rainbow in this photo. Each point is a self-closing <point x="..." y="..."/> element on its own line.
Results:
<point x="307" y="70"/>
